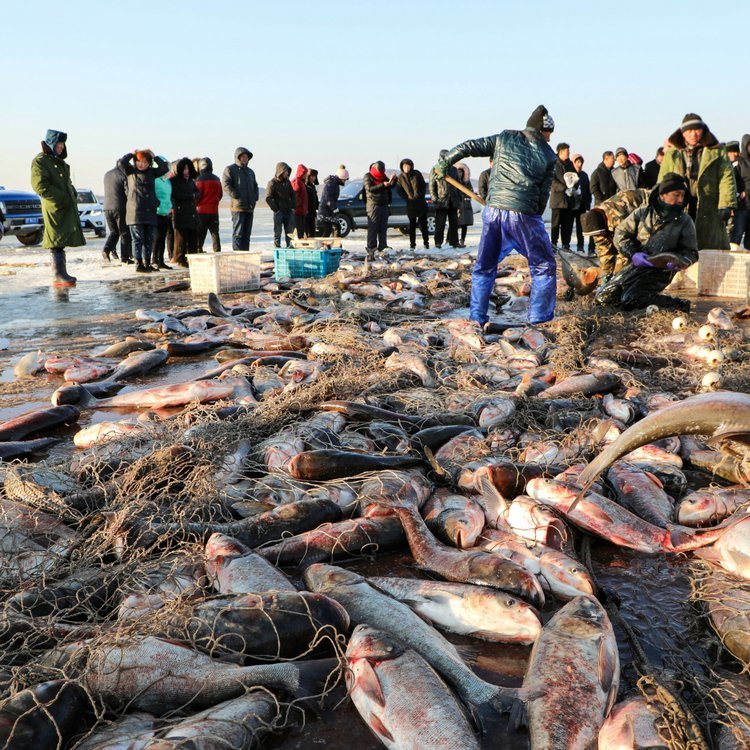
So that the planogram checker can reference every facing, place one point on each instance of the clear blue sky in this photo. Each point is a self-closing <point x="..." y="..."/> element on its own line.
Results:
<point x="329" y="82"/>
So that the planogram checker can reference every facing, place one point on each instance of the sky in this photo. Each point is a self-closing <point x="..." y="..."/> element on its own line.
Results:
<point x="325" y="83"/>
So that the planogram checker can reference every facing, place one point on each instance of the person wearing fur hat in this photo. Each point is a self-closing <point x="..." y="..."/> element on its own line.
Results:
<point x="210" y="190"/>
<point x="657" y="240"/>
<point x="184" y="210"/>
<point x="50" y="179"/>
<point x="695" y="153"/>
<point x="332" y="185"/>
<point x="523" y="165"/>
<point x="241" y="186"/>
<point x="412" y="187"/>
<point x="142" y="169"/>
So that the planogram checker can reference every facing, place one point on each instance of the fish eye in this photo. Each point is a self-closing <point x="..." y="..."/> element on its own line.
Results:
<point x="509" y="602"/>
<point x="575" y="570"/>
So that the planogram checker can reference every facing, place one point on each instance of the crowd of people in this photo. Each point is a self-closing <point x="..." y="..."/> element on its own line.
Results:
<point x="691" y="196"/>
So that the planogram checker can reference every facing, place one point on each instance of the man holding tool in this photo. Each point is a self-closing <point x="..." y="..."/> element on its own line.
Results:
<point x="523" y="165"/>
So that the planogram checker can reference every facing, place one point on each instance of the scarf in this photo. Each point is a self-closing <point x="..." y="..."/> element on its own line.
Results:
<point x="667" y="211"/>
<point x="378" y="177"/>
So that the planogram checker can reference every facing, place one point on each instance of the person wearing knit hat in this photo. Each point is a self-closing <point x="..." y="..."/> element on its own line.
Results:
<point x="657" y="240"/>
<point x="694" y="152"/>
<point x="328" y="225"/>
<point x="343" y="174"/>
<point x="412" y="188"/>
<point x="523" y="166"/>
<point x="626" y="174"/>
<point x="50" y="179"/>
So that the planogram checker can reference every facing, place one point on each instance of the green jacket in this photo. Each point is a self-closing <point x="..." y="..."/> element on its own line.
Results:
<point x="716" y="187"/>
<point x="50" y="180"/>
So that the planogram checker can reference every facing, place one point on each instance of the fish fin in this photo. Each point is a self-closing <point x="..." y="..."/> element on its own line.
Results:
<point x="709" y="554"/>
<point x="655" y="479"/>
<point x="368" y="682"/>
<point x="379" y="728"/>
<point x="519" y="716"/>
<point x="741" y="436"/>
<point x="608" y="660"/>
<point x="315" y="679"/>
<point x="495" y="506"/>
<point x="88" y="401"/>
<point x="441" y="473"/>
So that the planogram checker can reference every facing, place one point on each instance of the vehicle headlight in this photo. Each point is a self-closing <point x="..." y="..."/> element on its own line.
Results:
<point x="96" y="213"/>
<point x="2" y="206"/>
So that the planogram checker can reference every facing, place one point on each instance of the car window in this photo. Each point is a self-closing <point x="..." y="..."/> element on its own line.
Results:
<point x="86" y="196"/>
<point x="351" y="189"/>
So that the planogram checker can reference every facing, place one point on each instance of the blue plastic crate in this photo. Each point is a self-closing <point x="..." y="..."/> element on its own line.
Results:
<point x="299" y="263"/>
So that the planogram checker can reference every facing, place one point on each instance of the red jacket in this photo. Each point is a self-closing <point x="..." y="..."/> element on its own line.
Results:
<point x="300" y="191"/>
<point x="210" y="191"/>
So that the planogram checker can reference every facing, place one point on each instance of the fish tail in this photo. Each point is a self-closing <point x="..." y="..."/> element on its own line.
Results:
<point x="315" y="680"/>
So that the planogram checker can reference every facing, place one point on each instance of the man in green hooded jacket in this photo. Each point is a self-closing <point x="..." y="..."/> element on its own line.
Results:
<point x="50" y="179"/>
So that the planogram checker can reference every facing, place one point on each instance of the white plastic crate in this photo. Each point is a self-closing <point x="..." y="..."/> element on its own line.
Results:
<point x="223" y="272"/>
<point x="316" y="243"/>
<point x="724" y="274"/>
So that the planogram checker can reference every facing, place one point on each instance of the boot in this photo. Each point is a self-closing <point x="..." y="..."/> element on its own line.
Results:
<point x="140" y="268"/>
<point x="113" y="254"/>
<point x="60" y="275"/>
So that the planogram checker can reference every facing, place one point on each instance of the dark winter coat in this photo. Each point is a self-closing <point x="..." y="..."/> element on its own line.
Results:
<point x="647" y="231"/>
<point x="484" y="184"/>
<point x="141" y="194"/>
<point x="376" y="194"/>
<point x="603" y="186"/>
<point x="443" y="194"/>
<point x="280" y="193"/>
<point x="115" y="190"/>
<point x="411" y="187"/>
<point x="209" y="188"/>
<point x="184" y="196"/>
<point x="240" y="184"/>
<point x="651" y="174"/>
<point x="50" y="180"/>
<point x="522" y="168"/>
<point x="716" y="187"/>
<point x="312" y="199"/>
<point x="558" y="197"/>
<point x="628" y="178"/>
<point x="743" y="169"/>
<point x="585" y="188"/>
<point x="329" y="198"/>
<point x="300" y="191"/>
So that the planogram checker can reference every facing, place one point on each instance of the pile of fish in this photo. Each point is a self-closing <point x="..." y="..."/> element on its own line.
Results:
<point x="199" y="573"/>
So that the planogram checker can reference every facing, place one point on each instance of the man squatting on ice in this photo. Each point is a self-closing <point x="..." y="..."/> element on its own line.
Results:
<point x="523" y="165"/>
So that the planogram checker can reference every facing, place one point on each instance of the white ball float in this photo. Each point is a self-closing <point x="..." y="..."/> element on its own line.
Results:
<point x="711" y="381"/>
<point x="707" y="333"/>
<point x="679" y="323"/>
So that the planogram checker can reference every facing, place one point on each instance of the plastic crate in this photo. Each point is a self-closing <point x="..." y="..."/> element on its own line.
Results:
<point x="299" y="263"/>
<point x="724" y="274"/>
<point x="224" y="272"/>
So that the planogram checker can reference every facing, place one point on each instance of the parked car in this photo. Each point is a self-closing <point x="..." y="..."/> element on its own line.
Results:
<point x="21" y="216"/>
<point x="351" y="213"/>
<point x="91" y="212"/>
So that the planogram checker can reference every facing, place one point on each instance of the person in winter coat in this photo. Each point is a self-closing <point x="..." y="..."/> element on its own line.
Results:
<point x="601" y="221"/>
<point x="311" y="182"/>
<point x="184" y="211"/>
<point x="164" y="235"/>
<point x="561" y="199"/>
<point x="627" y="176"/>
<point x="240" y="185"/>
<point x="651" y="170"/>
<point x="332" y="185"/>
<point x="299" y="185"/>
<point x="696" y="154"/>
<point x="50" y="180"/>
<point x="603" y="186"/>
<point x="741" y="223"/>
<point x="280" y="197"/>
<point x="465" y="216"/>
<point x="209" y="197"/>
<point x="584" y="201"/>
<point x="484" y="183"/>
<point x="411" y="186"/>
<point x="377" y="188"/>
<point x="140" y="211"/>
<point x="447" y="200"/>
<point x="658" y="239"/>
<point x="114" y="214"/>
<point x="523" y="166"/>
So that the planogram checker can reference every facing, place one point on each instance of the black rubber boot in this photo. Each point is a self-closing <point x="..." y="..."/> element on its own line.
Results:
<point x="60" y="275"/>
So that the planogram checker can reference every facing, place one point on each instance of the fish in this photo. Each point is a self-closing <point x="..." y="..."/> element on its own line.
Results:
<point x="581" y="274"/>
<point x="604" y="518"/>
<point x="575" y="667"/>
<point x="708" y="506"/>
<point x="409" y="422"/>
<point x="454" y="519"/>
<point x="47" y="715"/>
<point x="156" y="675"/>
<point x="30" y="364"/>
<point x="435" y="437"/>
<point x="139" y="363"/>
<point x="23" y="448"/>
<point x="400" y="696"/>
<point x="134" y="731"/>
<point x="587" y="384"/>
<point x="632" y="725"/>
<point x="320" y="465"/>
<point x="641" y="492"/>
<point x="731" y="550"/>
<point x="718" y="317"/>
<point x="34" y="422"/>
<point x="235" y="569"/>
<point x="412" y="362"/>
<point x="368" y="605"/>
<point x="476" y="611"/>
<point x="731" y="468"/>
<point x="721" y="415"/>
<point x="100" y="432"/>
<point x="86" y="371"/>
<point x="123" y="348"/>
<point x="72" y="393"/>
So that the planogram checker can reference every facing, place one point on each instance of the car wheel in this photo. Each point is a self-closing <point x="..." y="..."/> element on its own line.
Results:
<point x="404" y="230"/>
<point x="32" y="238"/>
<point x="345" y="224"/>
<point x="431" y="224"/>
<point x="101" y="232"/>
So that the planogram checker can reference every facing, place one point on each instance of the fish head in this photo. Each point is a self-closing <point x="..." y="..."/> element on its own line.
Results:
<point x="221" y="545"/>
<point x="697" y="508"/>
<point x="323" y="578"/>
<point x="583" y="617"/>
<point x="374" y="645"/>
<point x="566" y="578"/>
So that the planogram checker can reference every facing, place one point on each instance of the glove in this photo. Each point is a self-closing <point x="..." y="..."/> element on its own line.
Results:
<point x="725" y="214"/>
<point x="670" y="266"/>
<point x="441" y="168"/>
<point x="640" y="260"/>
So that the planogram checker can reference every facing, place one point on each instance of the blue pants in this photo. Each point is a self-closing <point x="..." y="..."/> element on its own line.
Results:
<point x="143" y="239"/>
<point x="502" y="232"/>
<point x="242" y="226"/>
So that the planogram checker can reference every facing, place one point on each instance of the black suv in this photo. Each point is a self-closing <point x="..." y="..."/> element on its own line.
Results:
<point x="351" y="213"/>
